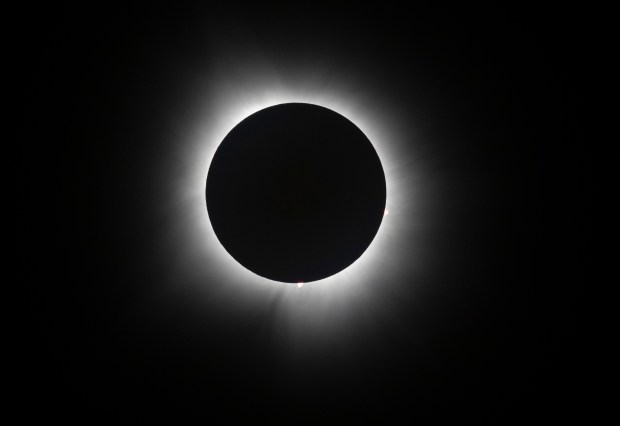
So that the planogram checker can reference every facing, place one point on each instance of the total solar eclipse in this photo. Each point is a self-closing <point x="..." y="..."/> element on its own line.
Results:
<point x="296" y="192"/>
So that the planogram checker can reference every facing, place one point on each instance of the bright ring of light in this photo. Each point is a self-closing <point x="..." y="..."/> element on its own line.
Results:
<point x="214" y="273"/>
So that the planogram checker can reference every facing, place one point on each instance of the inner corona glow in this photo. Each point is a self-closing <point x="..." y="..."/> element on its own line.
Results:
<point x="323" y="307"/>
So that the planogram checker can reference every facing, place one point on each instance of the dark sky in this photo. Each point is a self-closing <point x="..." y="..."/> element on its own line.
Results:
<point x="496" y="92"/>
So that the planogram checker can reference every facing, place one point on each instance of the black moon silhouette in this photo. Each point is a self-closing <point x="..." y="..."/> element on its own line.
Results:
<point x="296" y="192"/>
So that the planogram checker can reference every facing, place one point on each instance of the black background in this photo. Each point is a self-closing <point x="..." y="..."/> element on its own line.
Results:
<point x="496" y="88"/>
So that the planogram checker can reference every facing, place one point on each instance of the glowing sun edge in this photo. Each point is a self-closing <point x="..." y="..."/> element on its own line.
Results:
<point x="314" y="303"/>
